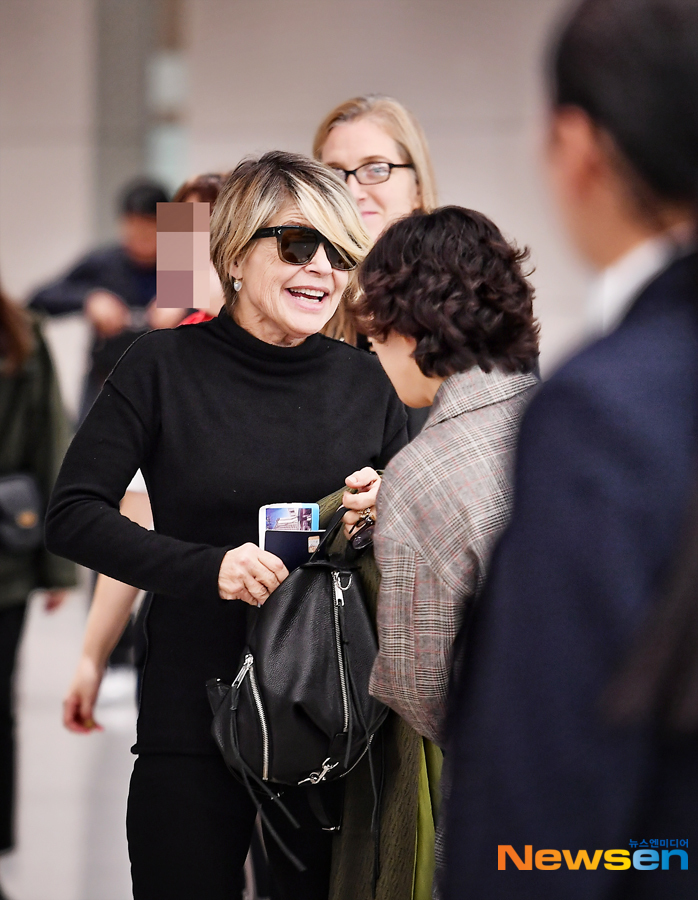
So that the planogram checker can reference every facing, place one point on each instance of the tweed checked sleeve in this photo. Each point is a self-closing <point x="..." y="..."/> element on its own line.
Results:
<point x="444" y="500"/>
<point x="418" y="619"/>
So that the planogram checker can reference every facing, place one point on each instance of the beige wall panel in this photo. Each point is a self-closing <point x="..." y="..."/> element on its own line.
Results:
<point x="45" y="63"/>
<point x="46" y="85"/>
<point x="44" y="211"/>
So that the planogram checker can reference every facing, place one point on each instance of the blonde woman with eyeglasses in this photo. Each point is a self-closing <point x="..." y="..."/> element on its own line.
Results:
<point x="377" y="146"/>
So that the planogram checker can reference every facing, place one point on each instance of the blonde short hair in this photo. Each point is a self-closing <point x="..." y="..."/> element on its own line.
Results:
<point x="257" y="189"/>
<point x="402" y="127"/>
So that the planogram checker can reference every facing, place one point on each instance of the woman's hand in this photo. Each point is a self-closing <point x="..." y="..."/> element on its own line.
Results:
<point x="366" y="484"/>
<point x="250" y="574"/>
<point x="79" y="703"/>
<point x="108" y="313"/>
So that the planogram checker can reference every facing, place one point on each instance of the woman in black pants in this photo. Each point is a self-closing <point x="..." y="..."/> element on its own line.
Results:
<point x="254" y="407"/>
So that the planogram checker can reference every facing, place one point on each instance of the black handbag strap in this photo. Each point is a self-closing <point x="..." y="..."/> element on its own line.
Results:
<point x="248" y="774"/>
<point x="330" y="534"/>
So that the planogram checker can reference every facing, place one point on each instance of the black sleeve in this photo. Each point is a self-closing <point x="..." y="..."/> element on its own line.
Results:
<point x="83" y="521"/>
<point x="68" y="293"/>
<point x="395" y="432"/>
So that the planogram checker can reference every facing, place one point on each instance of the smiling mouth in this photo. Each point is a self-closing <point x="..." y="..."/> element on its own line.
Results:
<point x="307" y="294"/>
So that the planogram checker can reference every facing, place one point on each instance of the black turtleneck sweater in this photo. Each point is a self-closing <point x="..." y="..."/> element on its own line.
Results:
<point x="220" y="424"/>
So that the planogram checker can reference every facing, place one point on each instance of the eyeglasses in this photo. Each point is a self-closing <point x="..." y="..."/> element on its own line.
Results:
<point x="298" y="244"/>
<point x="372" y="173"/>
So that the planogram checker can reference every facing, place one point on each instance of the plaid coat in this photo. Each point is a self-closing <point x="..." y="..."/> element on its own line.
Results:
<point x="444" y="500"/>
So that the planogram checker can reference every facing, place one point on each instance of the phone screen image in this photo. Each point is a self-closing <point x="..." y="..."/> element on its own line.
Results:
<point x="288" y="517"/>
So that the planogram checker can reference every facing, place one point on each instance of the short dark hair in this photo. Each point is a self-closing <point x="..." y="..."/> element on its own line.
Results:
<point x="451" y="281"/>
<point x="632" y="66"/>
<point x="206" y="187"/>
<point x="141" y="198"/>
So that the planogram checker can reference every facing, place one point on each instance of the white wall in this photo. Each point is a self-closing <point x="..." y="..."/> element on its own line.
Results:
<point x="265" y="72"/>
<point x="46" y="137"/>
<point x="47" y="83"/>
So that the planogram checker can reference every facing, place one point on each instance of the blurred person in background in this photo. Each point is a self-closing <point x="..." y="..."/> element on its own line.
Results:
<point x="379" y="148"/>
<point x="114" y="287"/>
<point x="112" y="600"/>
<point x="33" y="438"/>
<point x="575" y="724"/>
<point x="285" y="237"/>
<point x="204" y="189"/>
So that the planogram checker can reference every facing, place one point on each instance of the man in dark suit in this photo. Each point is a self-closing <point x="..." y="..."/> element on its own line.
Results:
<point x="607" y="457"/>
<point x="551" y="797"/>
<point x="115" y="286"/>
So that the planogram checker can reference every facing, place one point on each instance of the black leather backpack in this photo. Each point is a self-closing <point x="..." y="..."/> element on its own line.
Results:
<point x="299" y="711"/>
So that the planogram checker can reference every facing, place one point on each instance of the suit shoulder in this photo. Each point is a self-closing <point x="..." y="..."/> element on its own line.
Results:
<point x="651" y="347"/>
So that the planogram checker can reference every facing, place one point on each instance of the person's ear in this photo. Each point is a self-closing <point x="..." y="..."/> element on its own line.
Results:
<point x="235" y="271"/>
<point x="577" y="150"/>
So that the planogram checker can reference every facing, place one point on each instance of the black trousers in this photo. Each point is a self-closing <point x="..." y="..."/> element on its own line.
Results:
<point x="11" y="622"/>
<point x="189" y="825"/>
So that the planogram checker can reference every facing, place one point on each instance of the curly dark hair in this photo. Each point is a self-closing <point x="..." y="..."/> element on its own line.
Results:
<point x="451" y="281"/>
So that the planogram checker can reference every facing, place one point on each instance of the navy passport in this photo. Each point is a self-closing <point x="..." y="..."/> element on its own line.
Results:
<point x="293" y="547"/>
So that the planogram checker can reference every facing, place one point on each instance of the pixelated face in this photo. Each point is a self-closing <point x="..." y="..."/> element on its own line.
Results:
<point x="283" y="303"/>
<point x="183" y="263"/>
<point x="353" y="144"/>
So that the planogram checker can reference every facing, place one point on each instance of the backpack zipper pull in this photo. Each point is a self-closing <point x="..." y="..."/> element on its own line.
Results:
<point x="339" y="588"/>
<point x="246" y="666"/>
<point x="338" y="592"/>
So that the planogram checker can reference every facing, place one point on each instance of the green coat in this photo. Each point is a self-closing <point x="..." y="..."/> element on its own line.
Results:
<point x="352" y="855"/>
<point x="34" y="435"/>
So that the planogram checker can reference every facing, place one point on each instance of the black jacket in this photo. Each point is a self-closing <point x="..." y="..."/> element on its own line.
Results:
<point x="109" y="269"/>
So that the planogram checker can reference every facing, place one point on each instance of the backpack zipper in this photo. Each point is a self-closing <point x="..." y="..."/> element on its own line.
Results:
<point x="248" y="666"/>
<point x="339" y="601"/>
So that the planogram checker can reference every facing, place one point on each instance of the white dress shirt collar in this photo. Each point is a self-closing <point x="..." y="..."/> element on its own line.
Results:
<point x="617" y="287"/>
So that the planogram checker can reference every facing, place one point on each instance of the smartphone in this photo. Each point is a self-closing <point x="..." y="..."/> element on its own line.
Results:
<point x="288" y="517"/>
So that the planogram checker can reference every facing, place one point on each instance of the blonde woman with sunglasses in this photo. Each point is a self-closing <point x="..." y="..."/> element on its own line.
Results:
<point x="223" y="417"/>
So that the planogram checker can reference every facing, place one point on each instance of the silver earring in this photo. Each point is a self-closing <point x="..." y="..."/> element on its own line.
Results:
<point x="237" y="284"/>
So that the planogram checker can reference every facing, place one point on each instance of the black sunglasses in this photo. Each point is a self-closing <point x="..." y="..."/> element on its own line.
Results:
<point x="298" y="244"/>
